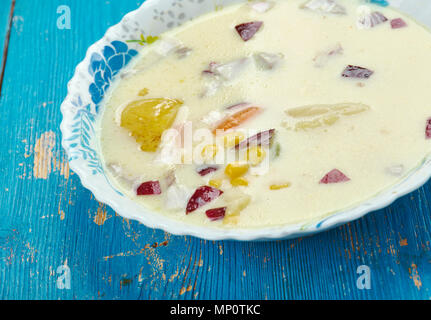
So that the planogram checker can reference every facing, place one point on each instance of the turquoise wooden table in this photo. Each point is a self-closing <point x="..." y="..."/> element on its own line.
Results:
<point x="57" y="242"/>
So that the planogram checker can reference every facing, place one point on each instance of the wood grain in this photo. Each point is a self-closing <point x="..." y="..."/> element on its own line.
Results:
<point x="47" y="219"/>
<point x="6" y="14"/>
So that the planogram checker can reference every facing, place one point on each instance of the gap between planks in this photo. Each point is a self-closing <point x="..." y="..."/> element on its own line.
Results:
<point x="6" y="45"/>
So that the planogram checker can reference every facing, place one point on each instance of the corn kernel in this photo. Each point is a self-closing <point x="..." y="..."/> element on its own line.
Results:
<point x="255" y="155"/>
<point x="232" y="139"/>
<point x="239" y="182"/>
<point x="280" y="186"/>
<point x="236" y="170"/>
<point x="216" y="183"/>
<point x="143" y="92"/>
<point x="209" y="152"/>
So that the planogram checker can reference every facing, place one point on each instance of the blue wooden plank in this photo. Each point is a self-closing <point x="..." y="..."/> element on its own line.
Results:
<point x="5" y="9"/>
<point x="5" y="14"/>
<point x="47" y="219"/>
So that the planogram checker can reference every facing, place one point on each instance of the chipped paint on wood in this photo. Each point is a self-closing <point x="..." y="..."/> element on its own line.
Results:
<point x="174" y="276"/>
<point x="130" y="253"/>
<point x="47" y="158"/>
<point x="101" y="215"/>
<point x="184" y="290"/>
<point x="43" y="155"/>
<point x="64" y="168"/>
<point x="414" y="274"/>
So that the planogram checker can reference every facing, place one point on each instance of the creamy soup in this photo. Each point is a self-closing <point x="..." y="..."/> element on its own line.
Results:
<point x="271" y="113"/>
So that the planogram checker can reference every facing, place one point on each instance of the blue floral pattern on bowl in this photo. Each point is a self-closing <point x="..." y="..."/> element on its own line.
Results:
<point x="103" y="68"/>
<point x="106" y="66"/>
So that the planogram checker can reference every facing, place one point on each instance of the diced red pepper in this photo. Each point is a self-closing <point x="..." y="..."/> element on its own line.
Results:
<point x="248" y="30"/>
<point x="428" y="129"/>
<point x="261" y="139"/>
<point x="201" y="197"/>
<point x="149" y="188"/>
<point x="398" y="23"/>
<point x="203" y="171"/>
<point x="216" y="214"/>
<point x="357" y="72"/>
<point x="335" y="176"/>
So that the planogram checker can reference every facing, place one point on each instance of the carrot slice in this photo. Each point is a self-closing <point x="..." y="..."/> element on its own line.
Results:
<point x="236" y="119"/>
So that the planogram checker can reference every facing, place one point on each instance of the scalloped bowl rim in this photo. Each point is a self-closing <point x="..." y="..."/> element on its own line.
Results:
<point x="414" y="180"/>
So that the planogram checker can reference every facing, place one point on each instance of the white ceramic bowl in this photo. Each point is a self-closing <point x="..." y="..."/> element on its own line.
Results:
<point x="104" y="60"/>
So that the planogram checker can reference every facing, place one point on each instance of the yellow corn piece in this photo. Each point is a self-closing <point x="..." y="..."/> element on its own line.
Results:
<point x="239" y="182"/>
<point x="216" y="183"/>
<point x="143" y="92"/>
<point x="232" y="139"/>
<point x="280" y="186"/>
<point x="209" y="152"/>
<point x="236" y="170"/>
<point x="255" y="155"/>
